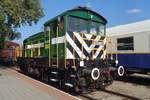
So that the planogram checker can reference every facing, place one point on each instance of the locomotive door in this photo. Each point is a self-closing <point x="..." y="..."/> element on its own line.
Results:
<point x="57" y="30"/>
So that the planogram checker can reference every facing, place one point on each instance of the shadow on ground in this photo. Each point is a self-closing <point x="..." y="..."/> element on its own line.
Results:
<point x="125" y="96"/>
<point x="3" y="67"/>
<point x="122" y="95"/>
<point x="136" y="80"/>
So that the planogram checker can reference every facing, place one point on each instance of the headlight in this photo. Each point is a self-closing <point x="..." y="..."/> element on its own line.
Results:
<point x="111" y="58"/>
<point x="87" y="58"/>
<point x="116" y="62"/>
<point x="81" y="63"/>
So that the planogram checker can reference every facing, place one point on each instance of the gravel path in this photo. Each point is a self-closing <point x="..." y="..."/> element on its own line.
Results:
<point x="134" y="87"/>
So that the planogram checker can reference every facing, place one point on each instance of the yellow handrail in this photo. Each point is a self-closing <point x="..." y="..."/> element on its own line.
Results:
<point x="82" y="46"/>
<point x="49" y="56"/>
<point x="93" y="40"/>
<point x="74" y="52"/>
<point x="31" y="51"/>
<point x="57" y="46"/>
<point x="39" y="51"/>
<point x="65" y="52"/>
<point x="92" y="50"/>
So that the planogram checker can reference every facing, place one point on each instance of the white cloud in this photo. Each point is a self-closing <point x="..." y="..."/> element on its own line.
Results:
<point x="133" y="11"/>
<point x="88" y="4"/>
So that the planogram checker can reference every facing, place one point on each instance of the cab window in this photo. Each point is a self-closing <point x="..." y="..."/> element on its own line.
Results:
<point x="76" y="24"/>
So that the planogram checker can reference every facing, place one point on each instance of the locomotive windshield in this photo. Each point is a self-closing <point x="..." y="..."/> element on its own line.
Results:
<point x="86" y="26"/>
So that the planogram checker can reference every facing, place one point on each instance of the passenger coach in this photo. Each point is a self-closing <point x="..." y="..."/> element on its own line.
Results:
<point x="130" y="46"/>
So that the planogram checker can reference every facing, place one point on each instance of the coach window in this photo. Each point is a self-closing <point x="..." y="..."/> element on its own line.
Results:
<point x="126" y="43"/>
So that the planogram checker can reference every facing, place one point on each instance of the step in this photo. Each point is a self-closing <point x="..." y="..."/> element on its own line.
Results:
<point x="54" y="65"/>
<point x="72" y="76"/>
<point x="54" y="72"/>
<point x="54" y="80"/>
<point x="68" y="84"/>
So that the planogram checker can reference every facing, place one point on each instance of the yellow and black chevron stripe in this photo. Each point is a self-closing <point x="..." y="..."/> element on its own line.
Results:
<point x="75" y="41"/>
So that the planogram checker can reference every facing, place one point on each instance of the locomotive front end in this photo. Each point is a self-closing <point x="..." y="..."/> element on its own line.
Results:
<point x="86" y="54"/>
<point x="86" y="60"/>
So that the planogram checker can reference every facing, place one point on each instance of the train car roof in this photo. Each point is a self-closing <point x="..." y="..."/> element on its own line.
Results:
<point x="76" y="9"/>
<point x="137" y="27"/>
<point x="34" y="36"/>
<point x="10" y="43"/>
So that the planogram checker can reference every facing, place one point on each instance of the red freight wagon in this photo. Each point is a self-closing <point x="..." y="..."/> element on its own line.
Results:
<point x="8" y="53"/>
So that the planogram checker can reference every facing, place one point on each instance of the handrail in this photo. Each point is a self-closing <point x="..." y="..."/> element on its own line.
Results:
<point x="65" y="51"/>
<point x="49" y="56"/>
<point x="93" y="41"/>
<point x="82" y="46"/>
<point x="73" y="52"/>
<point x="39" y="49"/>
<point x="57" y="47"/>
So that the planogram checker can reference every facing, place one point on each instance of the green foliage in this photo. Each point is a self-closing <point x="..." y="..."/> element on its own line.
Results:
<point x="15" y="13"/>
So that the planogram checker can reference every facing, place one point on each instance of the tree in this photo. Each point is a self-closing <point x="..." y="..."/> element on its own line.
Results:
<point x="16" y="13"/>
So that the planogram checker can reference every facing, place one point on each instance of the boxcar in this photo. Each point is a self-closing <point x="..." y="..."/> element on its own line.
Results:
<point x="131" y="47"/>
<point x="7" y="53"/>
<point x="70" y="52"/>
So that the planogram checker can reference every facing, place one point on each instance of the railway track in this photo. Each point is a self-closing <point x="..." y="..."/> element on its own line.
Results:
<point x="134" y="87"/>
<point x="107" y="95"/>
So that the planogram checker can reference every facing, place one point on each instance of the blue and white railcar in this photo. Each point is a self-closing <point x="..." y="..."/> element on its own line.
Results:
<point x="130" y="46"/>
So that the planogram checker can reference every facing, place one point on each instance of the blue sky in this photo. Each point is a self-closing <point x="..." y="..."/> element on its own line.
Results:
<point x="115" y="11"/>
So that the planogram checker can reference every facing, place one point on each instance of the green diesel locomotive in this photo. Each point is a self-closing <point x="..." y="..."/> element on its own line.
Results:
<point x="71" y="51"/>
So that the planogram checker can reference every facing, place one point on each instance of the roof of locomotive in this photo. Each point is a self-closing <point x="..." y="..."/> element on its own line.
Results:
<point x="79" y="8"/>
<point x="63" y="14"/>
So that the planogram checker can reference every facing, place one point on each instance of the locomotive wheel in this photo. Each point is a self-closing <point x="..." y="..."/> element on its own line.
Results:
<point x="121" y="71"/>
<point x="95" y="74"/>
